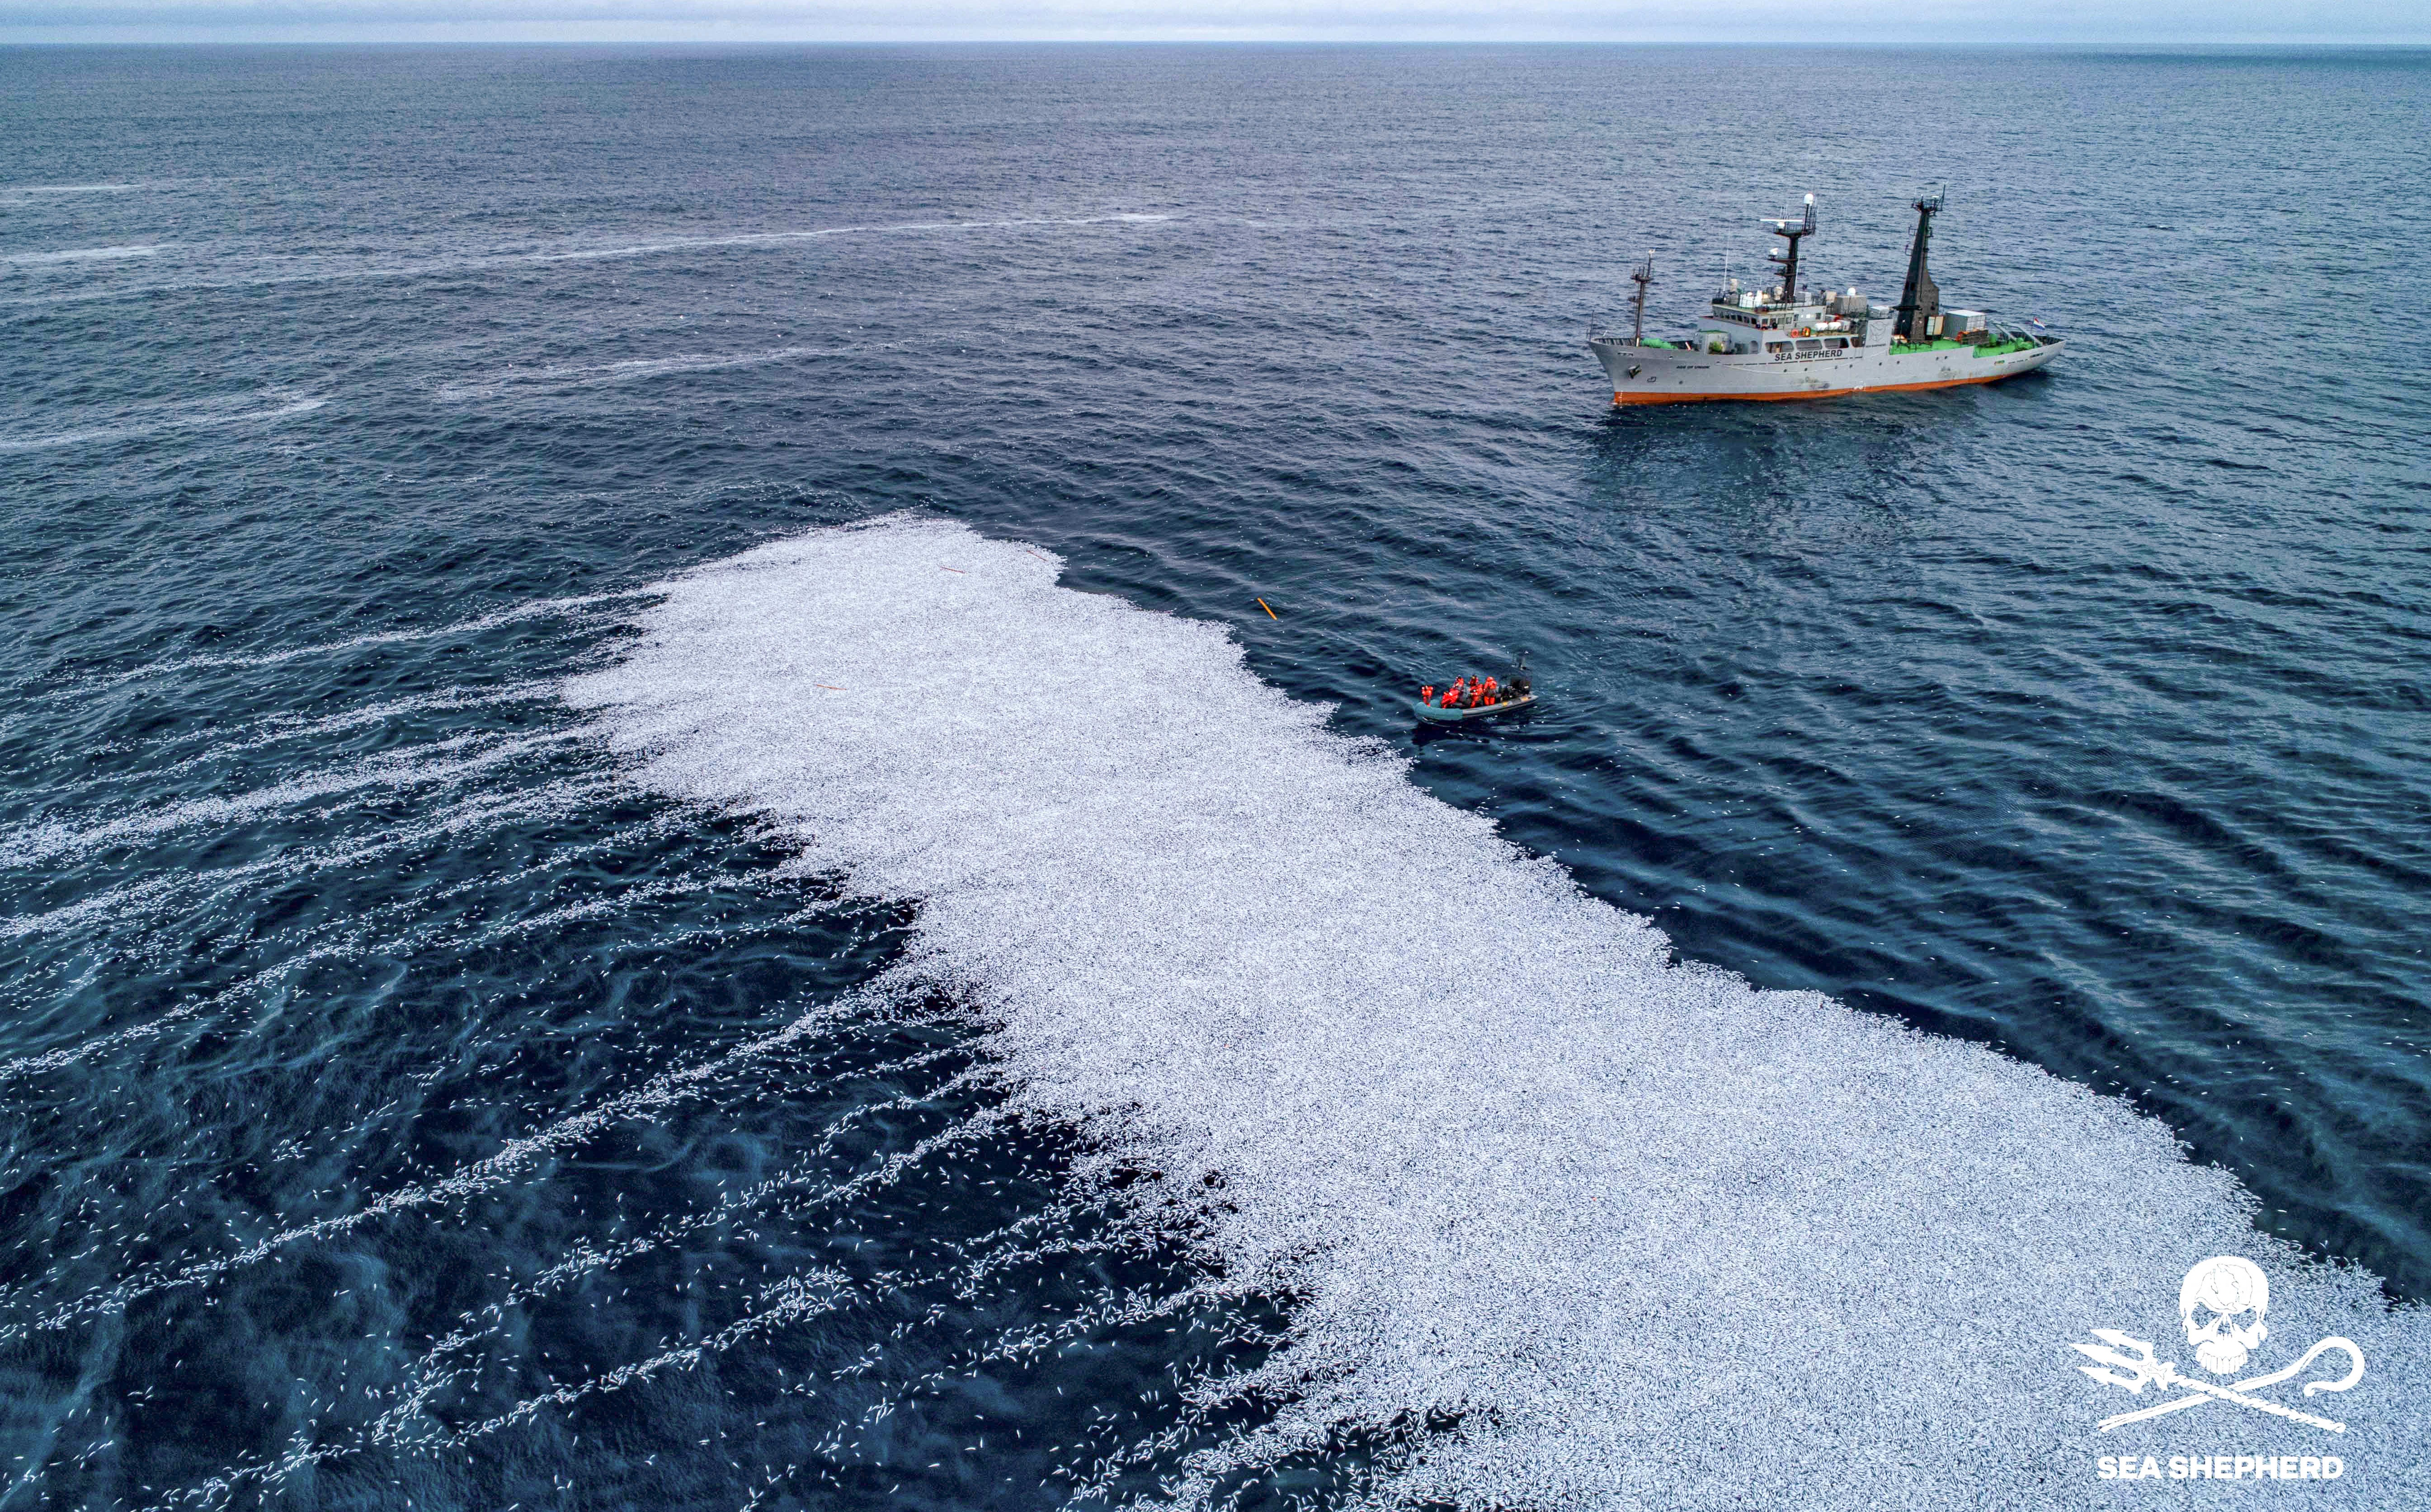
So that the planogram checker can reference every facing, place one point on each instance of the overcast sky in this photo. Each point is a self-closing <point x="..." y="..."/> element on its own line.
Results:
<point x="1857" y="22"/>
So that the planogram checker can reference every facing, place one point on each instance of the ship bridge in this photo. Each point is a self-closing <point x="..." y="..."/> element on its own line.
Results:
<point x="1752" y="320"/>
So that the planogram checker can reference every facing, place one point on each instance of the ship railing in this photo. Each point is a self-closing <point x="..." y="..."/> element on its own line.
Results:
<point x="1600" y="331"/>
<point x="1613" y="335"/>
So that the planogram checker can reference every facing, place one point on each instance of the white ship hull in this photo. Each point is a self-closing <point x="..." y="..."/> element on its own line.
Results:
<point x="1672" y="375"/>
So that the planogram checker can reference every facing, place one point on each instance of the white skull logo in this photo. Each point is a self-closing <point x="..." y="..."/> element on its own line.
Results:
<point x="2226" y="1288"/>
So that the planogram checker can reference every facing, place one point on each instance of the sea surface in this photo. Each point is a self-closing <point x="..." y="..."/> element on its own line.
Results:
<point x="461" y="1048"/>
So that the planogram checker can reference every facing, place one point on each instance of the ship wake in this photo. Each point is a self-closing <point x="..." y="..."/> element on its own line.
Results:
<point x="1561" y="1222"/>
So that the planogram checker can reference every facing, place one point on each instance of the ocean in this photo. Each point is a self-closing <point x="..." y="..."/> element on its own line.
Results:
<point x="711" y="800"/>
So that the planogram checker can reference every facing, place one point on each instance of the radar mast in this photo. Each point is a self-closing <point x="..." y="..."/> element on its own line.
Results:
<point x="1796" y="232"/>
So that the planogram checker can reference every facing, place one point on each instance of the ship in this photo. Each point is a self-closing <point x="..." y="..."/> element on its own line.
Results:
<point x="1793" y="342"/>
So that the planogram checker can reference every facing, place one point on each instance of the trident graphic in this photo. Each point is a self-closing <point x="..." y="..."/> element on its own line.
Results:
<point x="2142" y="1370"/>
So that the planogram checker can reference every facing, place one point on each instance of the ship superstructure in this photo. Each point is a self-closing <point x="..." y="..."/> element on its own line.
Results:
<point x="1789" y="341"/>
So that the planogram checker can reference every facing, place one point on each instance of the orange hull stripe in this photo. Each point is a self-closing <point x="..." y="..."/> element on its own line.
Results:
<point x="1652" y="398"/>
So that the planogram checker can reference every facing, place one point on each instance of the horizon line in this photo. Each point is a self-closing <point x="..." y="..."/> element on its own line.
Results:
<point x="706" y="39"/>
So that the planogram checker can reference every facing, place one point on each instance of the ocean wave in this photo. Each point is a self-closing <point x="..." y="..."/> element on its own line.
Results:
<point x="510" y="1161"/>
<point x="540" y="609"/>
<point x="138" y="427"/>
<point x="746" y="239"/>
<point x="438" y="763"/>
<point x="479" y="263"/>
<point x="85" y="255"/>
<point x="629" y="370"/>
<point x="1635" y="1232"/>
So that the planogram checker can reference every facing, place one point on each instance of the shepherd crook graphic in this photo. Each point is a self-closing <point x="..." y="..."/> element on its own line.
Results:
<point x="2143" y="1370"/>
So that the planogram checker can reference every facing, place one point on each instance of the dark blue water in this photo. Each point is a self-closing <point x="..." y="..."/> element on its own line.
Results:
<point x="351" y="396"/>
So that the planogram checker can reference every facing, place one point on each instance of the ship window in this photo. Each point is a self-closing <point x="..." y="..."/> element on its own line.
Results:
<point x="1776" y="346"/>
<point x="1810" y="345"/>
<point x="1839" y="341"/>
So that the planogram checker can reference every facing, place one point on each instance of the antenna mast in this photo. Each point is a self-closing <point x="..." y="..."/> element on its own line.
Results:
<point x="1796" y="233"/>
<point x="1641" y="276"/>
